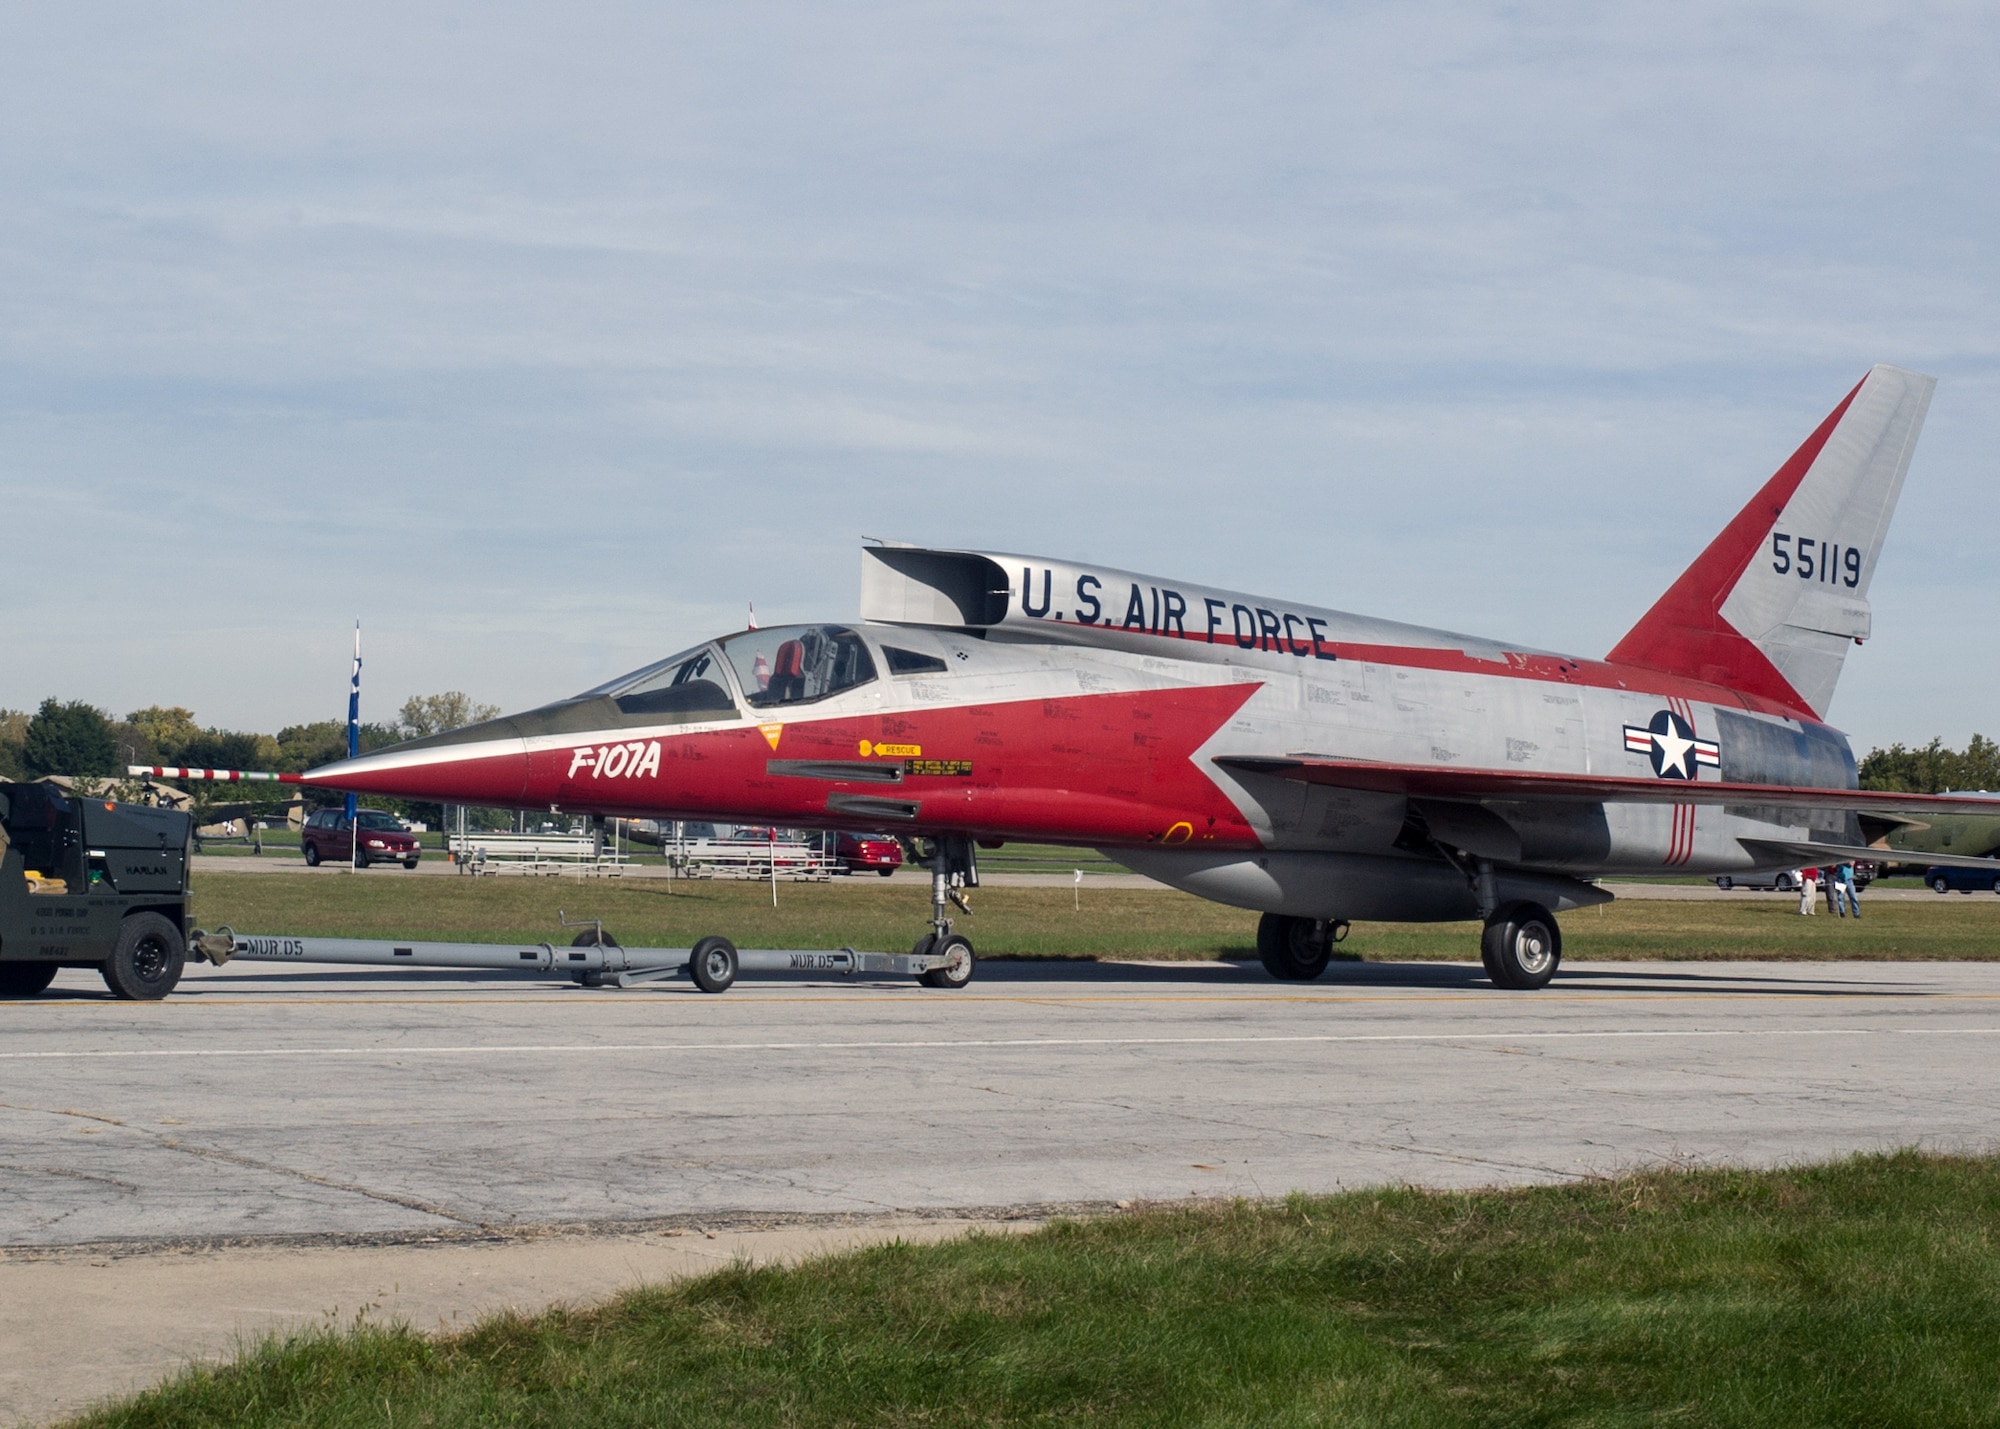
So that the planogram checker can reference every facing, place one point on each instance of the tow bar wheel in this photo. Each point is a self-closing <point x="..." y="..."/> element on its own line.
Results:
<point x="712" y="964"/>
<point x="1521" y="947"/>
<point x="590" y="938"/>
<point x="956" y="970"/>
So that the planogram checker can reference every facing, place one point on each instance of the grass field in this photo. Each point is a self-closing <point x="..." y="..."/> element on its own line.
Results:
<point x="1014" y="858"/>
<point x="1039" y="922"/>
<point x="1861" y="1293"/>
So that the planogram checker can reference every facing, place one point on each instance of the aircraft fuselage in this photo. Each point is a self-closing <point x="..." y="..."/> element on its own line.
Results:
<point x="1044" y="726"/>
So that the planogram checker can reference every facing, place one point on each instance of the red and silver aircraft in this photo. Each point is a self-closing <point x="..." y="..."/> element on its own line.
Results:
<point x="1311" y="765"/>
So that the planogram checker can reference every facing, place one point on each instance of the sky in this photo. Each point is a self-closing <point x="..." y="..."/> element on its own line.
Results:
<point x="544" y="340"/>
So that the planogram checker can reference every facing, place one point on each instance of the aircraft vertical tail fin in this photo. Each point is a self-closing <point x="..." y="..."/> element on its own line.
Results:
<point x="1773" y="603"/>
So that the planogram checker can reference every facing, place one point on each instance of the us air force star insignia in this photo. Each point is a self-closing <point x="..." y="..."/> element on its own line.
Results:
<point x="1670" y="742"/>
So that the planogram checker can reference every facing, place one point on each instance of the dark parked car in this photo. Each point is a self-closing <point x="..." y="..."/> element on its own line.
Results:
<point x="1965" y="880"/>
<point x="384" y="839"/>
<point x="860" y="852"/>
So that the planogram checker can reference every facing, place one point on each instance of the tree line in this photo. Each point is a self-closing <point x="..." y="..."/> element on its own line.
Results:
<point x="74" y="737"/>
<point x="1933" y="769"/>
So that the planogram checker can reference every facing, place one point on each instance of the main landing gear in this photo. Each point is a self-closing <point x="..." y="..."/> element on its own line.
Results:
<point x="1297" y="949"/>
<point x="1521" y="947"/>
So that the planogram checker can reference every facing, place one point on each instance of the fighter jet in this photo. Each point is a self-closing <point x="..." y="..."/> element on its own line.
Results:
<point x="1314" y="766"/>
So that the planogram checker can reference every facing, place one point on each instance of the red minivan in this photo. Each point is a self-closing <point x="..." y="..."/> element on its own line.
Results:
<point x="384" y="839"/>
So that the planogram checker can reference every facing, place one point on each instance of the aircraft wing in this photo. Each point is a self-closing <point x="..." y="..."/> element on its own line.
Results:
<point x="1434" y="781"/>
<point x="1792" y="853"/>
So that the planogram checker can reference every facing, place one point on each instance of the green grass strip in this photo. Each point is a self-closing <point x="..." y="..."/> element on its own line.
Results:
<point x="1041" y="922"/>
<point x="1865" y="1292"/>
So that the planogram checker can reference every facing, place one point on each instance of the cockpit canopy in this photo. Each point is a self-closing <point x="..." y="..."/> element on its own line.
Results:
<point x="786" y="665"/>
<point x="797" y="664"/>
<point x="689" y="684"/>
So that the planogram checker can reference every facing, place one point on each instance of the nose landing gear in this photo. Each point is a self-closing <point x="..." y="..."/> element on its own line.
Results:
<point x="954" y="868"/>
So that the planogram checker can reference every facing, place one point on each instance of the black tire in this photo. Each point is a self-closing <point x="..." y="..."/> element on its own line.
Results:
<point x="360" y="859"/>
<point x="959" y="962"/>
<point x="886" y="872"/>
<point x="1725" y="883"/>
<point x="1521" y="947"/>
<point x="712" y="964"/>
<point x="1939" y="885"/>
<point x="410" y="864"/>
<point x="1287" y="949"/>
<point x="312" y="855"/>
<point x="147" y="960"/>
<point x="25" y="979"/>
<point x="1996" y="885"/>
<point x="1785" y="883"/>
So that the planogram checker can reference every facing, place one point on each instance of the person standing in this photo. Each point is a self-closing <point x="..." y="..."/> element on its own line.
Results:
<point x="1808" y="892"/>
<point x="1843" y="885"/>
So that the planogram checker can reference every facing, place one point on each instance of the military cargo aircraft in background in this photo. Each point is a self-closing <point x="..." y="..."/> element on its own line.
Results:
<point x="1971" y="835"/>
<point x="1311" y="765"/>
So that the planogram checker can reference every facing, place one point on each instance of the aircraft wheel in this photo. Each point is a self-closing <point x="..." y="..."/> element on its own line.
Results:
<point x="1288" y="950"/>
<point x="25" y="979"/>
<point x="1939" y="885"/>
<point x="147" y="960"/>
<point x="1521" y="947"/>
<point x="712" y="964"/>
<point x="958" y="963"/>
<point x="312" y="855"/>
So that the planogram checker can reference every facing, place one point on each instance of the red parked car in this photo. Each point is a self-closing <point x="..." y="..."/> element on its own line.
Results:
<point x="861" y="852"/>
<point x="326" y="838"/>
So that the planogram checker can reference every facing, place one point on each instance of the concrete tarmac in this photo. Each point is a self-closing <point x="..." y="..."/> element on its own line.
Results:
<point x="262" y="1099"/>
<point x="274" y="1106"/>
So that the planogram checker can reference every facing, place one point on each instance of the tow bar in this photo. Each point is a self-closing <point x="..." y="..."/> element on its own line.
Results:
<point x="595" y="959"/>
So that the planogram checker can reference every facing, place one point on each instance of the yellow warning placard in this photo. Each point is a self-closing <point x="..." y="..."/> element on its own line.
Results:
<point x="891" y="751"/>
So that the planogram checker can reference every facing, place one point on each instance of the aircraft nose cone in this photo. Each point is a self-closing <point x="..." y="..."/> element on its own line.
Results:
<point x="489" y="770"/>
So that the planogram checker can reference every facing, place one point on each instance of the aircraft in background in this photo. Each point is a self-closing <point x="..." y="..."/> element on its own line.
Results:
<point x="1311" y="765"/>
<point x="1972" y="835"/>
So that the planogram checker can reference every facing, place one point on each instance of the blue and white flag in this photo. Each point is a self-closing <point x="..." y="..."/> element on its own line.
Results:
<point x="354" y="716"/>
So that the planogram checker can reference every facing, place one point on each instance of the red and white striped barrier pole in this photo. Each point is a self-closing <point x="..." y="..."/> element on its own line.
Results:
<point x="228" y="776"/>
